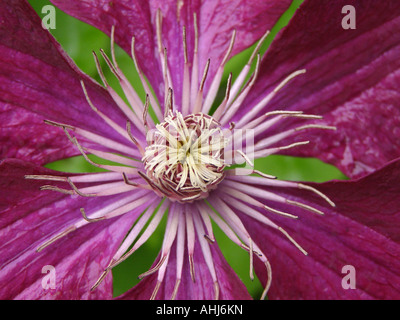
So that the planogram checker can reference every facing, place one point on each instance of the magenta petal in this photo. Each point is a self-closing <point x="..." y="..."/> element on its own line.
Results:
<point x="352" y="79"/>
<point x="216" y="22"/>
<point x="362" y="231"/>
<point x="131" y="18"/>
<point x="250" y="19"/>
<point x="29" y="217"/>
<point x="231" y="287"/>
<point x="39" y="82"/>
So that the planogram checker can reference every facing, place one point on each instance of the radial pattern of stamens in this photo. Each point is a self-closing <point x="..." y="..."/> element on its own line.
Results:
<point x="184" y="156"/>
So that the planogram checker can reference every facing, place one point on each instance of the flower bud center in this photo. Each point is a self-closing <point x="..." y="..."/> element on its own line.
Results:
<point x="184" y="158"/>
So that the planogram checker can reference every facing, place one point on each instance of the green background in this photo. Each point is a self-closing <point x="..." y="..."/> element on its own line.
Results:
<point x="79" y="40"/>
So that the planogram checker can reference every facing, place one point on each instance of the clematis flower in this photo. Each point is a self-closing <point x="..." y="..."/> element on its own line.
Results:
<point x="320" y="91"/>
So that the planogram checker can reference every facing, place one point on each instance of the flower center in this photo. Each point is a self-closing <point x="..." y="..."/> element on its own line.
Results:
<point x="184" y="158"/>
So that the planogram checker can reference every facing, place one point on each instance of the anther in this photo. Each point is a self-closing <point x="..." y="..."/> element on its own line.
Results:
<point x="73" y="186"/>
<point x="55" y="238"/>
<point x="155" y="291"/>
<point x="304" y="206"/>
<point x="84" y="216"/>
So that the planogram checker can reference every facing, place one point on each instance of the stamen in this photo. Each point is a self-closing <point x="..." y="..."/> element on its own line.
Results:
<point x="250" y="200"/>
<point x="143" y="238"/>
<point x="180" y="249"/>
<point x="129" y="92"/>
<point x="45" y="177"/>
<point x="129" y="162"/>
<point x="191" y="266"/>
<point x="293" y="241"/>
<point x="134" y="140"/>
<point x="195" y="66"/>
<point x="207" y="222"/>
<point x="304" y="206"/>
<point x="257" y="108"/>
<point x="100" y="279"/>
<point x="285" y="214"/>
<point x="117" y="99"/>
<point x="245" y="172"/>
<point x="54" y="188"/>
<point x="154" y="269"/>
<point x="249" y="162"/>
<point x="169" y="237"/>
<point x="176" y="287"/>
<point x="264" y="175"/>
<point x="103" y="166"/>
<point x="212" y="92"/>
<point x="243" y="74"/>
<point x="111" y="144"/>
<point x="160" y="277"/>
<point x="168" y="104"/>
<point x="191" y="198"/>
<point x="315" y="126"/>
<point x="107" y="189"/>
<point x="121" y="205"/>
<point x="278" y="183"/>
<point x="186" y="77"/>
<point x="233" y="220"/>
<point x="145" y="113"/>
<point x="126" y="180"/>
<point x="60" y="125"/>
<point x="190" y="234"/>
<point x="119" y="211"/>
<point x="88" y="219"/>
<point x="206" y="252"/>
<point x="55" y="238"/>
<point x="269" y="279"/>
<point x="153" y="101"/>
<point x="232" y="109"/>
<point x="77" y="190"/>
<point x="280" y="136"/>
<point x="220" y="110"/>
<point x="260" y="128"/>
<point x="306" y="187"/>
<point x="229" y="201"/>
<point x="199" y="99"/>
<point x="222" y="225"/>
<point x="216" y="290"/>
<point x="155" y="291"/>
<point x="112" y="37"/>
<point x="269" y="151"/>
<point x="159" y="30"/>
<point x="167" y="80"/>
<point x="251" y="275"/>
<point x="126" y="243"/>
<point x="96" y="177"/>
<point x="162" y="52"/>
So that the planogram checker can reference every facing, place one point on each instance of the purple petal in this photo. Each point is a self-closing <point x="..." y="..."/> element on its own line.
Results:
<point x="362" y="231"/>
<point x="39" y="82"/>
<point x="231" y="287"/>
<point x="29" y="217"/>
<point x="216" y="20"/>
<point x="352" y="79"/>
<point x="131" y="18"/>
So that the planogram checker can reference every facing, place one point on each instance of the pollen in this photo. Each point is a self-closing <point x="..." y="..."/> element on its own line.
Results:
<point x="185" y="156"/>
